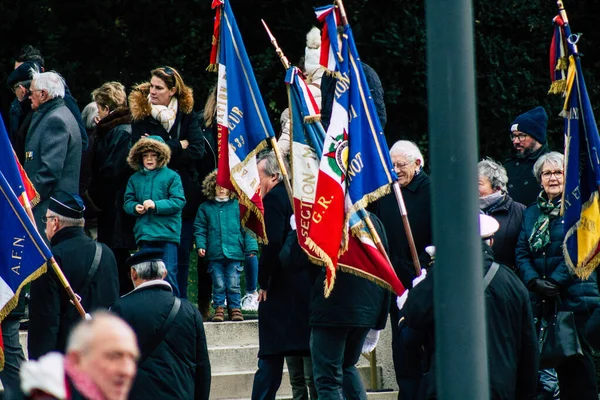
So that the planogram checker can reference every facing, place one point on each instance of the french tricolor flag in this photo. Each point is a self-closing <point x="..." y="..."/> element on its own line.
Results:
<point x="330" y="52"/>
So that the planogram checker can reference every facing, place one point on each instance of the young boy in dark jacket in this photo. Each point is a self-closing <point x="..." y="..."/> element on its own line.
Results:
<point x="155" y="196"/>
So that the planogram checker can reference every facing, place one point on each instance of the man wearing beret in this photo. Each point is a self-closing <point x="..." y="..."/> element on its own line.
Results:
<point x="89" y="267"/>
<point x="53" y="142"/>
<point x="174" y="360"/>
<point x="528" y="137"/>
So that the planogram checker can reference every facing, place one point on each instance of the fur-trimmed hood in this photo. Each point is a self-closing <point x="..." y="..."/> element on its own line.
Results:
<point x="145" y="144"/>
<point x="140" y="106"/>
<point x="209" y="185"/>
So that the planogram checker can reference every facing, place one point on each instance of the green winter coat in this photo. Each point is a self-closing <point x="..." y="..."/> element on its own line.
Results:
<point x="217" y="229"/>
<point x="161" y="185"/>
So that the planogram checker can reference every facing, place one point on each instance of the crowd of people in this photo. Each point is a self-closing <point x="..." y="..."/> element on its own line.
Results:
<point x="128" y="193"/>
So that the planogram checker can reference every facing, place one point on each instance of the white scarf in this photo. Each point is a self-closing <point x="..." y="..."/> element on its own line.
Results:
<point x="165" y="114"/>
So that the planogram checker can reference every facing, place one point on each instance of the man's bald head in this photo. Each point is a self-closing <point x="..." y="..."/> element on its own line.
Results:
<point x="105" y="349"/>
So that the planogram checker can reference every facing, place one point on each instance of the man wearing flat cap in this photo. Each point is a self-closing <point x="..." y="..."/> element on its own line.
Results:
<point x="512" y="346"/>
<point x="528" y="137"/>
<point x="20" y="109"/>
<point x="174" y="360"/>
<point x="89" y="267"/>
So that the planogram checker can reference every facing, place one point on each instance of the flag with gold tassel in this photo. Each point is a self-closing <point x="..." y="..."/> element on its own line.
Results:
<point x="581" y="203"/>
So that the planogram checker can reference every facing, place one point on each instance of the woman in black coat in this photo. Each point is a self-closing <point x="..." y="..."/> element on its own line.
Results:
<point x="165" y="107"/>
<point x="542" y="268"/>
<point x="110" y="173"/>
<point x="495" y="201"/>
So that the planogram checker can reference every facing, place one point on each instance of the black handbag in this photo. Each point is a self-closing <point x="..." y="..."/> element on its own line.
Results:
<point x="558" y="339"/>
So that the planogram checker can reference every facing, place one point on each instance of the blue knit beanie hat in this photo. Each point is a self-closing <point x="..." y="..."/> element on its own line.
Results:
<point x="533" y="122"/>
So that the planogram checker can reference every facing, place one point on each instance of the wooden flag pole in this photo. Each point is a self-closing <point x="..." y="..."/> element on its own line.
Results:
<point x="408" y="231"/>
<point x="272" y="140"/>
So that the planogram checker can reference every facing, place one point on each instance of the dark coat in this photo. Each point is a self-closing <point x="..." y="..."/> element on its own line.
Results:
<point x="51" y="315"/>
<point x="354" y="301"/>
<point x="328" y="91"/>
<point x="578" y="296"/>
<point x="20" y="117"/>
<point x="179" y="367"/>
<point x="54" y="147"/>
<point x="511" y="337"/>
<point x="509" y="215"/>
<point x="71" y="104"/>
<point x="186" y="127"/>
<point x="283" y="318"/>
<point x="110" y="173"/>
<point x="418" y="206"/>
<point x="592" y="331"/>
<point x="523" y="186"/>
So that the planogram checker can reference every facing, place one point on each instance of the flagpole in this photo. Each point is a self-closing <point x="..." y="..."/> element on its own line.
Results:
<point x="407" y="229"/>
<point x="27" y="208"/>
<point x="272" y="140"/>
<point x="75" y="299"/>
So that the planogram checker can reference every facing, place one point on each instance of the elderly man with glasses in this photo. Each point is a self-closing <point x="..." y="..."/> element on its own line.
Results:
<point x="528" y="137"/>
<point x="53" y="142"/>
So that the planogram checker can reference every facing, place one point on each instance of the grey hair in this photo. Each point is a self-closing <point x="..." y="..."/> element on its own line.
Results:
<point x="66" y="221"/>
<point x="408" y="149"/>
<point x="51" y="81"/>
<point x="495" y="172"/>
<point x="271" y="165"/>
<point x="88" y="114"/>
<point x="553" y="158"/>
<point x="150" y="270"/>
<point x="83" y="333"/>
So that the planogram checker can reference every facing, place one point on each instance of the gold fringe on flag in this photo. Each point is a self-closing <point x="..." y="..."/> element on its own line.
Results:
<point x="590" y="262"/>
<point x="312" y="118"/>
<point x="362" y="274"/>
<point x="328" y="264"/>
<point x="558" y="87"/>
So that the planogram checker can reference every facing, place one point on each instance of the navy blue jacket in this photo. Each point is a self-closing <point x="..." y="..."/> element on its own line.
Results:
<point x="577" y="295"/>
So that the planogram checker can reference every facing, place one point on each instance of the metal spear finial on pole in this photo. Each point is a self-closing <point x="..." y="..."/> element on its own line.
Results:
<point x="272" y="140"/>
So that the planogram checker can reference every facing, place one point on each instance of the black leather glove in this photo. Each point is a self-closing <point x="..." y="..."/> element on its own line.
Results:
<point x="545" y="287"/>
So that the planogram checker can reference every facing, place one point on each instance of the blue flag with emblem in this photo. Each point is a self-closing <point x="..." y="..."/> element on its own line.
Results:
<point x="581" y="204"/>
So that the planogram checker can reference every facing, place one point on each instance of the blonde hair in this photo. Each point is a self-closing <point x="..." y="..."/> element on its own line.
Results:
<point x="111" y="95"/>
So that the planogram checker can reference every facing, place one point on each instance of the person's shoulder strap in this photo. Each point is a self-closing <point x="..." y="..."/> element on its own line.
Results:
<point x="163" y="330"/>
<point x="93" y="269"/>
<point x="490" y="274"/>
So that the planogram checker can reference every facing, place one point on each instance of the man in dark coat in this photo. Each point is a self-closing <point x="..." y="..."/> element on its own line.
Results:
<point x="53" y="143"/>
<point x="31" y="54"/>
<point x="528" y="137"/>
<point x="340" y="323"/>
<point x="284" y="294"/>
<point x="512" y="346"/>
<point x="174" y="357"/>
<point x="90" y="269"/>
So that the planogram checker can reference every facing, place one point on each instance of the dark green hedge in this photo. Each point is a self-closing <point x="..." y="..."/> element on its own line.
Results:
<point x="93" y="42"/>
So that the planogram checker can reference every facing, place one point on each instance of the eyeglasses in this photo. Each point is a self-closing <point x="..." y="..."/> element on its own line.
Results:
<point x="168" y="71"/>
<point x="35" y="90"/>
<point x="14" y="88"/>
<point x="548" y="174"/>
<point x="45" y="218"/>
<point x="519" y="136"/>
<point x="402" y="165"/>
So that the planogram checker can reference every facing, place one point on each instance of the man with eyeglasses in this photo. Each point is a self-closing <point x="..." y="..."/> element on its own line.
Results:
<point x="53" y="142"/>
<point x="89" y="267"/>
<point x="528" y="137"/>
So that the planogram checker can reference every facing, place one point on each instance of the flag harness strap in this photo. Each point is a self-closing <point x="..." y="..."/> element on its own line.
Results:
<point x="163" y="330"/>
<point x="490" y="274"/>
<point x="93" y="269"/>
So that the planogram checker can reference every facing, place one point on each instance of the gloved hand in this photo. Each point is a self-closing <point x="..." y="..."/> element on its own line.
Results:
<point x="545" y="287"/>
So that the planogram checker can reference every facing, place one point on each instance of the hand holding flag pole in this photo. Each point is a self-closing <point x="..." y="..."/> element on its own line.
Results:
<point x="397" y="191"/>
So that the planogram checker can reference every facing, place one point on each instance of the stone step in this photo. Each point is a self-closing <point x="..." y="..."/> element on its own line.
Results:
<point x="241" y="358"/>
<point x="229" y="333"/>
<point x="238" y="385"/>
<point x="384" y="395"/>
